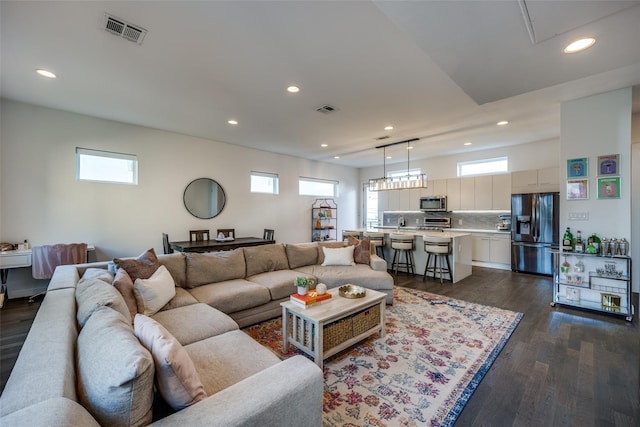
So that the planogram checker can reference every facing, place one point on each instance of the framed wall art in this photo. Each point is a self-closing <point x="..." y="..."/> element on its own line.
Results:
<point x="609" y="188"/>
<point x="577" y="189"/>
<point x="609" y="165"/>
<point x="577" y="168"/>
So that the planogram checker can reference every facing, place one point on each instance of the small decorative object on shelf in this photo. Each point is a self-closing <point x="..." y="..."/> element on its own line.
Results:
<point x="312" y="297"/>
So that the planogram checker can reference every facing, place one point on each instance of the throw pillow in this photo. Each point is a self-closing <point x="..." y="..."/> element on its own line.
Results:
<point x="92" y="294"/>
<point x="98" y="273"/>
<point x="327" y="245"/>
<point x="301" y="255"/>
<point x="123" y="283"/>
<point x="362" y="251"/>
<point x="153" y="293"/>
<point x="338" y="256"/>
<point x="176" y="375"/>
<point x="140" y="268"/>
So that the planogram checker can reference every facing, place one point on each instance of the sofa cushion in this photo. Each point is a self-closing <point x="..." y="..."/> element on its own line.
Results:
<point x="232" y="295"/>
<point x="123" y="283"/>
<point x="195" y="322"/>
<point x="279" y="283"/>
<point x="219" y="367"/>
<point x="92" y="294"/>
<point x="139" y="268"/>
<point x="362" y="250"/>
<point x="177" y="266"/>
<point x="181" y="299"/>
<point x="115" y="372"/>
<point x="98" y="273"/>
<point x="153" y="293"/>
<point x="214" y="267"/>
<point x="260" y="259"/>
<point x="338" y="256"/>
<point x="301" y="255"/>
<point x="327" y="245"/>
<point x="176" y="376"/>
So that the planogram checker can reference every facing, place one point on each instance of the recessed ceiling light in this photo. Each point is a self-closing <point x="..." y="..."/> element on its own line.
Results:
<point x="293" y="89"/>
<point x="579" y="45"/>
<point x="467" y="143"/>
<point x="46" y="73"/>
<point x="232" y="122"/>
<point x="336" y="157"/>
<point x="502" y="123"/>
<point x="410" y="147"/>
<point x="388" y="128"/>
<point x="389" y="157"/>
<point x="324" y="145"/>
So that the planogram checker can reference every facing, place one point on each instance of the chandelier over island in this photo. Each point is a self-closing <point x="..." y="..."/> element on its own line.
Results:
<point x="403" y="182"/>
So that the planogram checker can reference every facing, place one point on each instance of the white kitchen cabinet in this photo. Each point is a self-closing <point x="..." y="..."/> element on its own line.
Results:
<point x="383" y="202"/>
<point x="549" y="179"/>
<point x="483" y="192"/>
<point x="404" y="200"/>
<point x="467" y="193"/>
<point x="501" y="192"/>
<point x="414" y="199"/>
<point x="491" y="247"/>
<point x="453" y="194"/>
<point x="536" y="180"/>
<point x="393" y="198"/>
<point x="500" y="249"/>
<point x="480" y="247"/>
<point x="435" y="187"/>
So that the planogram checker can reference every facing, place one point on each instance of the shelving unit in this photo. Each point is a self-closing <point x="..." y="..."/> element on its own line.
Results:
<point x="593" y="282"/>
<point x="324" y="220"/>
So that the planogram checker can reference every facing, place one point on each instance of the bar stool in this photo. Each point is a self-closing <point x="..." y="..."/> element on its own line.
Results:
<point x="439" y="248"/>
<point x="377" y="240"/>
<point x="402" y="244"/>
<point x="347" y="233"/>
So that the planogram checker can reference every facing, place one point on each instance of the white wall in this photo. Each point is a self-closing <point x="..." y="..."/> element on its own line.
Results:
<point x="590" y="127"/>
<point x="635" y="197"/>
<point x="42" y="201"/>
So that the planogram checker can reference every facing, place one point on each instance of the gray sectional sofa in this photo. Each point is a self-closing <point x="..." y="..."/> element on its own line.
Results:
<point x="84" y="362"/>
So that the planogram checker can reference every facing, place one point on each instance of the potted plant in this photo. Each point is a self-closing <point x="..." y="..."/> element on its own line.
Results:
<point x="303" y="284"/>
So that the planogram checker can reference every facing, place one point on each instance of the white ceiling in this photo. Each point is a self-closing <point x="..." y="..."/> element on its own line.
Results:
<point x="441" y="71"/>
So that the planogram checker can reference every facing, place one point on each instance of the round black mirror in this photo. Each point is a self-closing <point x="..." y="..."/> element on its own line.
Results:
<point x="204" y="198"/>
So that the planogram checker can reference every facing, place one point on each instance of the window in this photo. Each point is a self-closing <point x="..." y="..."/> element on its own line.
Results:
<point x="403" y="172"/>
<point x="317" y="187"/>
<point x="370" y="207"/>
<point x="483" y="167"/>
<point x="104" y="166"/>
<point x="263" y="182"/>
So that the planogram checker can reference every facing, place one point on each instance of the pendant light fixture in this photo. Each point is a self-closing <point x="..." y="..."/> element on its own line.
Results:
<point x="404" y="182"/>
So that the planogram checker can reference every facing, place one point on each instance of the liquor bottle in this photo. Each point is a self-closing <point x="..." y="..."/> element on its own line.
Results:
<point x="579" y="246"/>
<point x="567" y="241"/>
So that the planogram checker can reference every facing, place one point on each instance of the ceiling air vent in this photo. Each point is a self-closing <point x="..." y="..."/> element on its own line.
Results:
<point x="327" y="109"/>
<point x="380" y="138"/>
<point x="122" y="28"/>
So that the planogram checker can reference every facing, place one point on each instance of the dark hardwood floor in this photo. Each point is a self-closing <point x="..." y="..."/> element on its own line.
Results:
<point x="561" y="366"/>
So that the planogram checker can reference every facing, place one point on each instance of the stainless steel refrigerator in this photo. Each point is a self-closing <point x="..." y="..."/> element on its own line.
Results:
<point x="534" y="232"/>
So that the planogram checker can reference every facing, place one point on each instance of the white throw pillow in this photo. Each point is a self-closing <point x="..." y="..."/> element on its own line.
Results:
<point x="176" y="375"/>
<point x="338" y="256"/>
<point x="153" y="293"/>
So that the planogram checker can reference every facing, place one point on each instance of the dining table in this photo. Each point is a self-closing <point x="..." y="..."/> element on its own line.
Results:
<point x="218" y="245"/>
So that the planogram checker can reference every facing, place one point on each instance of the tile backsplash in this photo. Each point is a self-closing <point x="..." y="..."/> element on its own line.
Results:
<point x="459" y="219"/>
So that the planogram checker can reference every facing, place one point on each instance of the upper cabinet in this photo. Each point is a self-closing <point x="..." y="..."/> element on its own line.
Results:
<point x="501" y="192"/>
<point x="453" y="194"/>
<point x="467" y="193"/>
<point x="536" y="180"/>
<point x="483" y="192"/>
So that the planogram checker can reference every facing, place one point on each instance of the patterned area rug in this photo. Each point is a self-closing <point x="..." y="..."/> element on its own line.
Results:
<point x="435" y="353"/>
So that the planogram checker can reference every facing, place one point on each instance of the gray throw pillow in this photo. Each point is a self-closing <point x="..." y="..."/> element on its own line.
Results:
<point x="301" y="255"/>
<point x="92" y="294"/>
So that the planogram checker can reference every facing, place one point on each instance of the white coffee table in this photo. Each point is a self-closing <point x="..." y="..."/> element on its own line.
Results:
<point x="305" y="328"/>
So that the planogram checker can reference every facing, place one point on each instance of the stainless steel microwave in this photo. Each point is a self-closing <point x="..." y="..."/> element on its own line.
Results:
<point x="433" y="203"/>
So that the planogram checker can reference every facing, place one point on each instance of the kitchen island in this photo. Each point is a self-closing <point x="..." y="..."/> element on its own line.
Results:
<point x="460" y="258"/>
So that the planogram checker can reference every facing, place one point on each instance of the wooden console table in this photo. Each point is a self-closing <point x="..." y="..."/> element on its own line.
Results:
<point x="214" y="245"/>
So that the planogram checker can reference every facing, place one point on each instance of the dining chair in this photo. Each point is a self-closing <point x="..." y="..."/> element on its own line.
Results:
<point x="226" y="232"/>
<point x="198" y="235"/>
<point x="165" y="244"/>
<point x="268" y="234"/>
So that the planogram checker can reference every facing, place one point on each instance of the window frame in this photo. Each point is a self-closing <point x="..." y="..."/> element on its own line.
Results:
<point x="306" y="179"/>
<point x="273" y="176"/>
<point x="89" y="152"/>
<point x="494" y="160"/>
